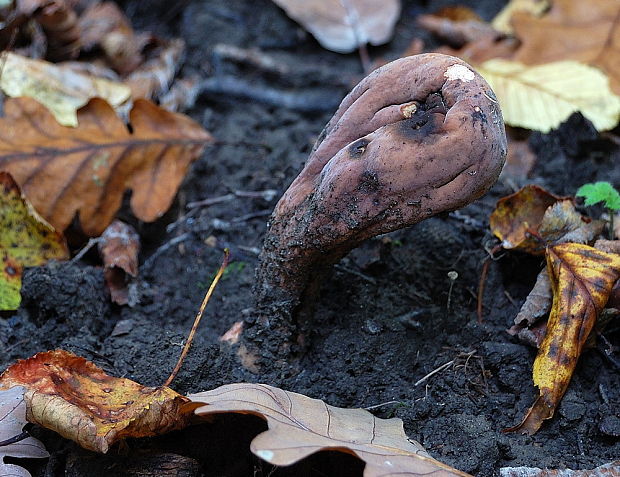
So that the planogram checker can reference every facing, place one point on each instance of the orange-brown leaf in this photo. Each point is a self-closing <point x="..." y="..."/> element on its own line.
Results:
<point x="72" y="396"/>
<point x="582" y="278"/>
<point x="588" y="32"/>
<point x="87" y="169"/>
<point x="300" y="426"/>
<point x="518" y="214"/>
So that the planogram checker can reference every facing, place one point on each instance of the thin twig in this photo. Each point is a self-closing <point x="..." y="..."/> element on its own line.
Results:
<point x="14" y="439"/>
<point x="91" y="243"/>
<point x="192" y="333"/>
<point x="377" y="406"/>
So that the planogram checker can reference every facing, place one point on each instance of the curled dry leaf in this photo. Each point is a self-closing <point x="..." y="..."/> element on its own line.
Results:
<point x="582" y="278"/>
<point x="75" y="398"/>
<point x="554" y="91"/>
<point x="588" y="32"/>
<point x="457" y="30"/>
<point x="87" y="169"/>
<point x="154" y="77"/>
<point x="12" y="421"/>
<point x="537" y="304"/>
<point x="607" y="470"/>
<point x="517" y="215"/>
<point x="61" y="89"/>
<point x="119" y="248"/>
<point x="60" y="25"/>
<point x="300" y="426"/>
<point x="26" y="240"/>
<point x="344" y="25"/>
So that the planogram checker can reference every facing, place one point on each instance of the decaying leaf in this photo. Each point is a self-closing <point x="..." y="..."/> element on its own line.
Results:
<point x="582" y="278"/>
<point x="119" y="248"/>
<point x="300" y="426"/>
<point x="503" y="20"/>
<point x="537" y="304"/>
<point x="518" y="215"/>
<point x="12" y="421"/>
<point x="87" y="169"/>
<point x="541" y="97"/>
<point x="62" y="90"/>
<point x="607" y="470"/>
<point x="26" y="240"/>
<point x="75" y="398"/>
<point x="456" y="26"/>
<point x="588" y="32"/>
<point x="344" y="25"/>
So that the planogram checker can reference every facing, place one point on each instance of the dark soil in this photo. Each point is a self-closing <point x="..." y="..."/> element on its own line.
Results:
<point x="383" y="320"/>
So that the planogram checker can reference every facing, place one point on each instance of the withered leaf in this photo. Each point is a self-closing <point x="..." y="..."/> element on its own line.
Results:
<point x="75" y="398"/>
<point x="588" y="32"/>
<point x="342" y="26"/>
<point x="562" y="223"/>
<point x="58" y="87"/>
<point x="300" y="426"/>
<point x="582" y="278"/>
<point x="538" y="302"/>
<point x="119" y="248"/>
<point x="12" y="421"/>
<point x="26" y="240"/>
<point x="503" y="20"/>
<point x="87" y="169"/>
<point x="519" y="215"/>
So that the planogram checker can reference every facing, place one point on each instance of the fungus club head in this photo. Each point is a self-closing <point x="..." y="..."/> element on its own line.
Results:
<point x="419" y="136"/>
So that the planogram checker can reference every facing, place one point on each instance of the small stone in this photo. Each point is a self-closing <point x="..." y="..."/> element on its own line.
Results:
<point x="372" y="327"/>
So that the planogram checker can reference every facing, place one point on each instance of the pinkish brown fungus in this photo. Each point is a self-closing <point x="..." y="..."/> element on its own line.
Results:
<point x="419" y="136"/>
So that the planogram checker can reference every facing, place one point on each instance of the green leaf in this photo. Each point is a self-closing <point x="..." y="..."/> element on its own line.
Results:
<point x="600" y="192"/>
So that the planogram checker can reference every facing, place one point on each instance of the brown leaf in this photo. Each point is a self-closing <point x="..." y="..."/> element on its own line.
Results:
<point x="457" y="29"/>
<point x="87" y="169"/>
<point x="517" y="216"/>
<point x="154" y="77"/>
<point x="300" y="426"/>
<point x="119" y="248"/>
<point x="582" y="278"/>
<point x="588" y="32"/>
<point x="105" y="25"/>
<point x="344" y="25"/>
<point x="538" y="302"/>
<point x="562" y="223"/>
<point x="75" y="398"/>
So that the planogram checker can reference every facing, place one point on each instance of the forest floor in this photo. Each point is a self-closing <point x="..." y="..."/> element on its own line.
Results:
<point x="387" y="317"/>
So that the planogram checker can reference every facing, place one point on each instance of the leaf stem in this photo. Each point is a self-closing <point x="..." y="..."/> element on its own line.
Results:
<point x="190" y="338"/>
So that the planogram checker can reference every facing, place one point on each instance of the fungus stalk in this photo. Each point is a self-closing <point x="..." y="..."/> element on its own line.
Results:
<point x="419" y="136"/>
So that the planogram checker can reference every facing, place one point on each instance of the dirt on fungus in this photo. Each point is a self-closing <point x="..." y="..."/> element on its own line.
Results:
<point x="387" y="316"/>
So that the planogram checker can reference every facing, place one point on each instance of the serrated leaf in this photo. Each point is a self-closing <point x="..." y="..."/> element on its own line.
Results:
<point x="59" y="88"/>
<point x="26" y="240"/>
<point x="543" y="96"/>
<point x="600" y="192"/>
<point x="300" y="426"/>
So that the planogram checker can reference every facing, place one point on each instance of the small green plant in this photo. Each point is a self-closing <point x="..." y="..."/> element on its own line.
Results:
<point x="601" y="192"/>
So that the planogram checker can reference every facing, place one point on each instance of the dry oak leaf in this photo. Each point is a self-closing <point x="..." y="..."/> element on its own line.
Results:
<point x="588" y="32"/>
<point x="300" y="426"/>
<point x="70" y="395"/>
<point x="60" y="88"/>
<point x="582" y="278"/>
<point x="541" y="97"/>
<point x="87" y="169"/>
<point x="344" y="25"/>
<point x="26" y="240"/>
<point x="12" y="421"/>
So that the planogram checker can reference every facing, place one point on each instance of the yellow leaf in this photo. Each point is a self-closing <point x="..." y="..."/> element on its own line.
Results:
<point x="26" y="240"/>
<point x="543" y="96"/>
<point x="72" y="396"/>
<point x="62" y="90"/>
<point x="582" y="278"/>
